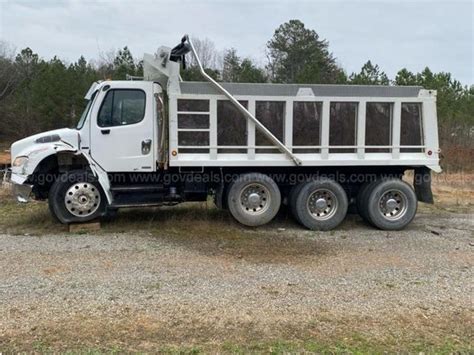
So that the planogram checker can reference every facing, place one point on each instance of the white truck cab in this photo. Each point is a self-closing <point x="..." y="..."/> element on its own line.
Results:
<point x="122" y="136"/>
<point x="161" y="141"/>
<point x="120" y="139"/>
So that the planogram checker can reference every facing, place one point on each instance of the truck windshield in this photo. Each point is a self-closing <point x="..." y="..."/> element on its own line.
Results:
<point x="84" y="113"/>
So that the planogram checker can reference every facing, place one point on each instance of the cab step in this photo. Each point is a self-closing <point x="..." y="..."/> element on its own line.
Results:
<point x="137" y="188"/>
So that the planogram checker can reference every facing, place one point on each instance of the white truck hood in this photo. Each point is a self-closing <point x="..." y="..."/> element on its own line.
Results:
<point x="29" y="144"/>
<point x="42" y="145"/>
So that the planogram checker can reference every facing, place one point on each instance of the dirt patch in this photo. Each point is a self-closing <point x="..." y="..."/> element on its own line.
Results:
<point x="5" y="158"/>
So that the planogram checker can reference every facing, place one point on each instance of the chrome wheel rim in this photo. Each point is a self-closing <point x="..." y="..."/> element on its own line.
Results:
<point x="322" y="204"/>
<point x="82" y="199"/>
<point x="254" y="199"/>
<point x="393" y="204"/>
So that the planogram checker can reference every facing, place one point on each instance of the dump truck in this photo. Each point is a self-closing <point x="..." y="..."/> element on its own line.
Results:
<point x="254" y="148"/>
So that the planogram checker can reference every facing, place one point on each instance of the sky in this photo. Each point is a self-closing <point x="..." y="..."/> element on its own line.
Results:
<point x="392" y="34"/>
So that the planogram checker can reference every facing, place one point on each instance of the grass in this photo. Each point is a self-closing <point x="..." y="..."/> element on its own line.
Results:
<point x="30" y="218"/>
<point x="355" y="344"/>
<point x="351" y="344"/>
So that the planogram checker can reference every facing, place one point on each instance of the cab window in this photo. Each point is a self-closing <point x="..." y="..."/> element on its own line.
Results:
<point x="122" y="107"/>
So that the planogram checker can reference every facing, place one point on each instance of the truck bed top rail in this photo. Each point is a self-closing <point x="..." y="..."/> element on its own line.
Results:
<point x="320" y="90"/>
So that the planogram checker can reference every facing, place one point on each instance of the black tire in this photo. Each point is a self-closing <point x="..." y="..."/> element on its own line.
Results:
<point x="361" y="200"/>
<point x="53" y="192"/>
<point x="295" y="190"/>
<point x="254" y="199"/>
<point x="93" y="208"/>
<point x="321" y="218"/>
<point x="391" y="204"/>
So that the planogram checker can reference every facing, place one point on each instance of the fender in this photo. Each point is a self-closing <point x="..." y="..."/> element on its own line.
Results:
<point x="36" y="153"/>
<point x="101" y="176"/>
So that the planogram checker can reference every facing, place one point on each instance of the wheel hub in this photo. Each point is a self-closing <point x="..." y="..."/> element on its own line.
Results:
<point x="393" y="204"/>
<point x="82" y="199"/>
<point x="322" y="204"/>
<point x="254" y="198"/>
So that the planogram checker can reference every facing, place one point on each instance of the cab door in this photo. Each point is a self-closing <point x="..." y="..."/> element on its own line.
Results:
<point x="122" y="127"/>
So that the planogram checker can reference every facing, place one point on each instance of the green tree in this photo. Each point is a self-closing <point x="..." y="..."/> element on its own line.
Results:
<point x="369" y="75"/>
<point x="82" y="75"/>
<point x="27" y="65"/>
<point x="405" y="77"/>
<point x="298" y="55"/>
<point x="231" y="68"/>
<point x="8" y="74"/>
<point x="250" y="73"/>
<point x="51" y="92"/>
<point x="124" y="64"/>
<point x="139" y="68"/>
<point x="241" y="71"/>
<point x="194" y="74"/>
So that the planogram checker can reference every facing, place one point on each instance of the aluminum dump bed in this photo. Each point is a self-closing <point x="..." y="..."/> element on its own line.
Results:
<point x="322" y="125"/>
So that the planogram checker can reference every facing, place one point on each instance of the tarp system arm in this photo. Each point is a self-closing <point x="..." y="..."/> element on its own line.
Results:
<point x="283" y="148"/>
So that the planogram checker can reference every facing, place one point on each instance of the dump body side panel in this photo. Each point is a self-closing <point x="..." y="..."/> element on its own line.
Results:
<point x="194" y="135"/>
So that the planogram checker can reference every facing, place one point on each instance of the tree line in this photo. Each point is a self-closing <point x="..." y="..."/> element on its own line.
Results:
<point x="37" y="94"/>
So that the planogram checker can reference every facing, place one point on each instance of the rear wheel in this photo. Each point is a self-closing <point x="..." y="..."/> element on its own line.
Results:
<point x="76" y="197"/>
<point x="321" y="204"/>
<point x="254" y="199"/>
<point x="391" y="204"/>
<point x="361" y="200"/>
<point x="295" y="190"/>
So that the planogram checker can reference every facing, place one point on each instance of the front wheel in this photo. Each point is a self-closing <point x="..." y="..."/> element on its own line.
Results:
<point x="76" y="197"/>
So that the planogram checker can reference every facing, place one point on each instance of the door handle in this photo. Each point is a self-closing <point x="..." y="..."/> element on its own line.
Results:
<point x="105" y="131"/>
<point x="146" y="146"/>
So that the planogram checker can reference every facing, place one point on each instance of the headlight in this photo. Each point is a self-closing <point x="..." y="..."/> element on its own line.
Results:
<point x="20" y="161"/>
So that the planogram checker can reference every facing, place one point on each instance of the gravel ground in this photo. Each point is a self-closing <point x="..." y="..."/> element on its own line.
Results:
<point x="136" y="291"/>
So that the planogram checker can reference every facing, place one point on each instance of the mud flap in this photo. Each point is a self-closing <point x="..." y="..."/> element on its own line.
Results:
<point x="422" y="184"/>
<point x="219" y="197"/>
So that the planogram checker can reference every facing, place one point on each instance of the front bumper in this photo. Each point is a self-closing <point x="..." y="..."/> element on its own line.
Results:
<point x="21" y="191"/>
